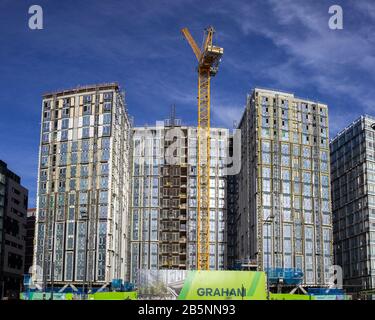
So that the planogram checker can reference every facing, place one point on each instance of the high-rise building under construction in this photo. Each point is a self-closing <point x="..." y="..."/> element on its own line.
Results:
<point x="353" y="204"/>
<point x="83" y="187"/>
<point x="283" y="208"/>
<point x="164" y="198"/>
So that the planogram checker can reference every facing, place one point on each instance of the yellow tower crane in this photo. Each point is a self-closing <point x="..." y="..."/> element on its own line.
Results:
<point x="208" y="62"/>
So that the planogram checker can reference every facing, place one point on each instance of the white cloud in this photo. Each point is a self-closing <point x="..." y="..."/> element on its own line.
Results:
<point x="327" y="60"/>
<point x="226" y="115"/>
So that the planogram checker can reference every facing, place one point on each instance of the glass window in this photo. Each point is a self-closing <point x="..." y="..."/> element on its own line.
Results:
<point x="86" y="109"/>
<point x="86" y="121"/>
<point x="285" y="148"/>
<point x="266" y="172"/>
<point x="306" y="189"/>
<point x="266" y="158"/>
<point x="103" y="197"/>
<point x="106" y="130"/>
<point x="71" y="213"/>
<point x="307" y="203"/>
<point x="305" y="139"/>
<point x="84" y="184"/>
<point x="286" y="201"/>
<point x="323" y="166"/>
<point x="105" y="155"/>
<point x="46" y="126"/>
<point x="83" y="198"/>
<point x="84" y="157"/>
<point x="63" y="159"/>
<point x="73" y="171"/>
<point x="64" y="135"/>
<point x="323" y="155"/>
<point x="296" y="150"/>
<point x="107" y="118"/>
<point x="266" y="199"/>
<point x="306" y="177"/>
<point x="286" y="187"/>
<point x="103" y="211"/>
<point x="266" y="185"/>
<point x="104" y="182"/>
<point x="284" y="135"/>
<point x="84" y="171"/>
<point x="285" y="174"/>
<point x="44" y="161"/>
<point x="266" y="146"/>
<point x="86" y="132"/>
<point x="106" y="142"/>
<point x="285" y="160"/>
<point x="107" y="106"/>
<point x="308" y="217"/>
<point x="45" y="137"/>
<point x="287" y="215"/>
<point x="325" y="193"/>
<point x="85" y="145"/>
<point x="265" y="132"/>
<point x="104" y="168"/>
<point x="74" y="146"/>
<point x="324" y="180"/>
<point x="45" y="150"/>
<point x="72" y="184"/>
<point x="65" y="124"/>
<point x="306" y="164"/>
<point x="306" y="152"/>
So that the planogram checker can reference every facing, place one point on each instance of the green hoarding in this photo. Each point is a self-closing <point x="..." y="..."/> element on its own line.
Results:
<point x="288" y="296"/>
<point x="224" y="285"/>
<point x="132" y="295"/>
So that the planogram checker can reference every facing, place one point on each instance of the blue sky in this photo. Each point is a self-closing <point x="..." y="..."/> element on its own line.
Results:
<point x="281" y="44"/>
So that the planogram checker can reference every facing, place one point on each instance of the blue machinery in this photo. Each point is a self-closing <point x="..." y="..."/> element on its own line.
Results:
<point x="286" y="276"/>
<point x="116" y="285"/>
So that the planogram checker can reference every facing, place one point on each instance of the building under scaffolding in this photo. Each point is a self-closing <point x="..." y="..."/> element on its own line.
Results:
<point x="283" y="209"/>
<point x="83" y="187"/>
<point x="353" y="205"/>
<point x="164" y="197"/>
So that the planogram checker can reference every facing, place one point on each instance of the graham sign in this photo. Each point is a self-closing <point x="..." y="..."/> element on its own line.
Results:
<point x="202" y="285"/>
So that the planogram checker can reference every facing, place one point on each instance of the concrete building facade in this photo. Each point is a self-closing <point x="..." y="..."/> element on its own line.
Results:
<point x="13" y="208"/>
<point x="353" y="203"/>
<point x="164" y="198"/>
<point x="83" y="187"/>
<point x="283" y="208"/>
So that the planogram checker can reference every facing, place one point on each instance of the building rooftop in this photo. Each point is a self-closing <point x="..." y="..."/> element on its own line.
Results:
<point x="359" y="119"/>
<point x="284" y="93"/>
<point x="82" y="89"/>
<point x="10" y="174"/>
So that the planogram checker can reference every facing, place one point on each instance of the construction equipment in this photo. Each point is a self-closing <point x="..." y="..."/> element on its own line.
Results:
<point x="208" y="61"/>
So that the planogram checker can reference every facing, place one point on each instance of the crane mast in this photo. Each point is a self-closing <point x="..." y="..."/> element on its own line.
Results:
<point x="208" y="61"/>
